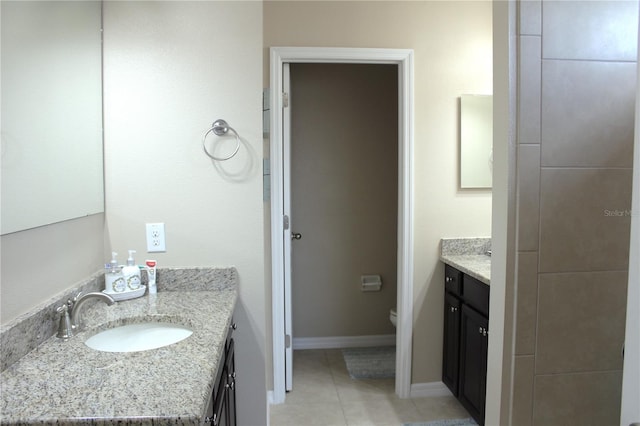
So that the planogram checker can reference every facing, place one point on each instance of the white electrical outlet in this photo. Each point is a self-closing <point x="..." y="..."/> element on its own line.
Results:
<point x="155" y="238"/>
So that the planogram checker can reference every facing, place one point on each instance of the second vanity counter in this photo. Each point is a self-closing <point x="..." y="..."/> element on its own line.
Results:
<point x="468" y="255"/>
<point x="467" y="276"/>
<point x="66" y="382"/>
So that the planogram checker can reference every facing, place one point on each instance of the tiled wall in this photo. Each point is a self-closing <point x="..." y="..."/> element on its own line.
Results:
<point x="576" y="103"/>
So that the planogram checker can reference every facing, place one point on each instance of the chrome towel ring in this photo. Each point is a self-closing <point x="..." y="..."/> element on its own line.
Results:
<point x="220" y="128"/>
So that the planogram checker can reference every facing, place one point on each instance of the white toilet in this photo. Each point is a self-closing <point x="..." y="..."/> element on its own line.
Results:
<point x="393" y="316"/>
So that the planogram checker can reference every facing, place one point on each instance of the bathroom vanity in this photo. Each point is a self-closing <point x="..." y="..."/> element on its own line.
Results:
<point x="466" y="328"/>
<point x="191" y="382"/>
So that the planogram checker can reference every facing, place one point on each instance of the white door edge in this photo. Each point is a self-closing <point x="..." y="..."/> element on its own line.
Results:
<point x="404" y="331"/>
<point x="630" y="409"/>
<point x="286" y="185"/>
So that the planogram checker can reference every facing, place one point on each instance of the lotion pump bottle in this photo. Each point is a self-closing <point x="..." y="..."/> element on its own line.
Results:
<point x="131" y="273"/>
<point x="114" y="281"/>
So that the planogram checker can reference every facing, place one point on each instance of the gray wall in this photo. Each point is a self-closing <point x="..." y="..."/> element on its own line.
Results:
<point x="577" y="79"/>
<point x="344" y="197"/>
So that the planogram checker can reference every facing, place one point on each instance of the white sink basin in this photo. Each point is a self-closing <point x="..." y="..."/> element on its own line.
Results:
<point x="138" y="337"/>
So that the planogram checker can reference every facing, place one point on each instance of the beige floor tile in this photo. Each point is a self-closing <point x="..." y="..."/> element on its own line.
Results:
<point x="380" y="412"/>
<point x="440" y="407"/>
<point x="324" y="394"/>
<point x="308" y="414"/>
<point x="310" y="360"/>
<point x="310" y="387"/>
<point x="364" y="389"/>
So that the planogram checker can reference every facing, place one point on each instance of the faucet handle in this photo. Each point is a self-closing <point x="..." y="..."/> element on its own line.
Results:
<point x="64" y="327"/>
<point x="72" y="301"/>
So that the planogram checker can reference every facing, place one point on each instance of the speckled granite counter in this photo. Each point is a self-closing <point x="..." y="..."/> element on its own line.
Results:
<point x="468" y="255"/>
<point x="68" y="383"/>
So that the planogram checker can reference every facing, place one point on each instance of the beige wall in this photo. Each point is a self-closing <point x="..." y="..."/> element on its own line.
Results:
<point x="169" y="74"/>
<point x="344" y="182"/>
<point x="171" y="69"/>
<point x="577" y="75"/>
<point x="452" y="43"/>
<point x="39" y="263"/>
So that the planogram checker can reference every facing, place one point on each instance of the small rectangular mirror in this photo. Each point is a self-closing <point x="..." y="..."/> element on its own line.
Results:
<point x="476" y="141"/>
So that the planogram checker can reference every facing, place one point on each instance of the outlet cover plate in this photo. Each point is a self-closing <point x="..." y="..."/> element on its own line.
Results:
<point x="155" y="238"/>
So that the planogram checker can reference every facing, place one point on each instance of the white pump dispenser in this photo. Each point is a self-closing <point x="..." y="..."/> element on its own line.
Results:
<point x="114" y="281"/>
<point x="131" y="273"/>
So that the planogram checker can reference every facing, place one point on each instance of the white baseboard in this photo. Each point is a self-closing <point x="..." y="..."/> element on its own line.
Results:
<point x="338" y="342"/>
<point x="422" y="390"/>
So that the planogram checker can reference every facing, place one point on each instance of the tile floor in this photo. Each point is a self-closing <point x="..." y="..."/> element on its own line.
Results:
<point x="324" y="394"/>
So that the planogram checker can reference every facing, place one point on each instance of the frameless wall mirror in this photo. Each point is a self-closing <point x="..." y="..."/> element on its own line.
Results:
<point x="52" y="167"/>
<point x="476" y="141"/>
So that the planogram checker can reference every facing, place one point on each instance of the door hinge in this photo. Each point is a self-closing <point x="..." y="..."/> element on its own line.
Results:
<point x="285" y="222"/>
<point x="285" y="99"/>
<point x="287" y="341"/>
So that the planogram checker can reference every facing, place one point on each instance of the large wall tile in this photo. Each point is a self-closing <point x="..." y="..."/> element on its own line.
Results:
<point x="529" y="75"/>
<point x="586" y="399"/>
<point x="581" y="321"/>
<point x="588" y="113"/>
<point x="585" y="219"/>
<point x="528" y="197"/>
<point x="594" y="30"/>
<point x="523" y="391"/>
<point x="527" y="303"/>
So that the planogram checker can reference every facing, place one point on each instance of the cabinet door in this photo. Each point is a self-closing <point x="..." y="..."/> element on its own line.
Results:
<point x="230" y="368"/>
<point x="220" y="407"/>
<point x="222" y="411"/>
<point x="473" y="362"/>
<point x="451" y="343"/>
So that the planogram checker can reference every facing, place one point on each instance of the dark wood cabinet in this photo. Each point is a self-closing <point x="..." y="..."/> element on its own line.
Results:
<point x="465" y="343"/>
<point x="451" y="344"/>
<point x="473" y="362"/>
<point x="222" y="405"/>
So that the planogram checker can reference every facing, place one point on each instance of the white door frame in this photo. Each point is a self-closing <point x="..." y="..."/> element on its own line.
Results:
<point x="404" y="331"/>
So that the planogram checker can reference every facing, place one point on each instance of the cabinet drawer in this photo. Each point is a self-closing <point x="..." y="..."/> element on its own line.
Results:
<point x="476" y="294"/>
<point x="452" y="280"/>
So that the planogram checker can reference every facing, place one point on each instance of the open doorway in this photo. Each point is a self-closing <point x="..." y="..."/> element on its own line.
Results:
<point x="344" y="210"/>
<point x="281" y="246"/>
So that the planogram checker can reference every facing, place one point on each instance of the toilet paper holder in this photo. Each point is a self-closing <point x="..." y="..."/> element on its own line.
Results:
<point x="370" y="282"/>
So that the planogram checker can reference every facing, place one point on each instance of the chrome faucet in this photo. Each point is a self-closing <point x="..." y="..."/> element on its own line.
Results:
<point x="70" y="321"/>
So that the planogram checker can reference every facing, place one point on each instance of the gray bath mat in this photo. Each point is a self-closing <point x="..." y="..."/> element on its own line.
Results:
<point x="447" y="422"/>
<point x="371" y="363"/>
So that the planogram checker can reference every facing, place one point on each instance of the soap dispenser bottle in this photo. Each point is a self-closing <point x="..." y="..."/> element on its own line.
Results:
<point x="131" y="273"/>
<point x="113" y="280"/>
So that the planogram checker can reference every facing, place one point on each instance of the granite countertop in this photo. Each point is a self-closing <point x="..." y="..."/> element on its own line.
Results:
<point x="67" y="382"/>
<point x="469" y="255"/>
